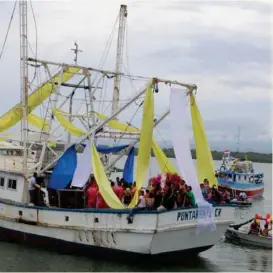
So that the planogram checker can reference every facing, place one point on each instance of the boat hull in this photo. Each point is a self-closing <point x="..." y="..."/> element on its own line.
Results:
<point x="251" y="190"/>
<point x="248" y="239"/>
<point x="156" y="234"/>
<point x="242" y="204"/>
<point x="66" y="247"/>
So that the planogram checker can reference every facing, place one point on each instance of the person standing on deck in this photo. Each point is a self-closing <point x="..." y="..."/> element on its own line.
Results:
<point x="141" y="200"/>
<point x="92" y="193"/>
<point x="190" y="196"/>
<point x="119" y="190"/>
<point x="31" y="188"/>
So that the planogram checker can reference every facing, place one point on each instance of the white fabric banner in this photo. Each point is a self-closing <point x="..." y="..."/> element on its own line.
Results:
<point x="84" y="167"/>
<point x="179" y="105"/>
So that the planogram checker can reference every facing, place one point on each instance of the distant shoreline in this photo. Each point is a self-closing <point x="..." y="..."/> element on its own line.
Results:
<point x="216" y="155"/>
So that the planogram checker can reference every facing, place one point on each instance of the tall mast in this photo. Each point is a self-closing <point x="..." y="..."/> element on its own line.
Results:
<point x="24" y="80"/>
<point x="120" y="45"/>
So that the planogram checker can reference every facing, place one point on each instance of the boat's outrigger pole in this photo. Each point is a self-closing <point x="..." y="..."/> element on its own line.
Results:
<point x="113" y="73"/>
<point x="134" y="143"/>
<point x="98" y="127"/>
<point x="54" y="104"/>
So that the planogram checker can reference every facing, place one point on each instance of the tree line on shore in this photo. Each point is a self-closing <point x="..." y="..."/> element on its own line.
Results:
<point x="216" y="155"/>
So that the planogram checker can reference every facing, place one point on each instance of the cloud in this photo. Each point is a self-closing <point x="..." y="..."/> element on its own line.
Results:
<point x="222" y="46"/>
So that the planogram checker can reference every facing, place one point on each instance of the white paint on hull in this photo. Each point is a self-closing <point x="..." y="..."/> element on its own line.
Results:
<point x="150" y="233"/>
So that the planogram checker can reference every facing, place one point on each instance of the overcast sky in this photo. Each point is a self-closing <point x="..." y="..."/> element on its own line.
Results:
<point x="223" y="47"/>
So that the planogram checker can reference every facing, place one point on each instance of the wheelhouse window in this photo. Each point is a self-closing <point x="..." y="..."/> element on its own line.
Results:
<point x="2" y="182"/>
<point x="12" y="184"/>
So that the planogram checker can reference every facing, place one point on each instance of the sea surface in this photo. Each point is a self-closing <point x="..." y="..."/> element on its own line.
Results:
<point x="222" y="257"/>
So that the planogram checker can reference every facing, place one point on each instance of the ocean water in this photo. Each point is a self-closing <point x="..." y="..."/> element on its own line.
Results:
<point x="222" y="257"/>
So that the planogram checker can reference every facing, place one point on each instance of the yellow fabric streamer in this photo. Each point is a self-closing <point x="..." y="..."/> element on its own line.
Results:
<point x="145" y="143"/>
<point x="103" y="182"/>
<point x="51" y="144"/>
<point x="205" y="166"/>
<point x="118" y="125"/>
<point x="38" y="122"/>
<point x="163" y="162"/>
<point x="73" y="130"/>
<point x="35" y="99"/>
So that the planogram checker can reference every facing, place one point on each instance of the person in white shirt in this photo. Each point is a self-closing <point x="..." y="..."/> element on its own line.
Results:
<point x="31" y="188"/>
<point x="242" y="196"/>
<point x="141" y="205"/>
<point x="141" y="200"/>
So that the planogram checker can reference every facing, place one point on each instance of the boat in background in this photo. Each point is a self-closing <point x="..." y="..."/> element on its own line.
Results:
<point x="244" y="204"/>
<point x="238" y="176"/>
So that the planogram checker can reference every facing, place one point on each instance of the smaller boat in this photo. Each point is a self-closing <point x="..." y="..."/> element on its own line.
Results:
<point x="240" y="233"/>
<point x="239" y="176"/>
<point x="244" y="203"/>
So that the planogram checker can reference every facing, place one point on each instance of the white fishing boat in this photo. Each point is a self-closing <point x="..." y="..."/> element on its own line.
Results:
<point x="240" y="235"/>
<point x="149" y="233"/>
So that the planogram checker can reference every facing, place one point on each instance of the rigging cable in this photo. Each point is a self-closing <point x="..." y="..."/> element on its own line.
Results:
<point x="102" y="94"/>
<point x="106" y="50"/>
<point x="36" y="43"/>
<point x="127" y="70"/>
<point x="129" y="123"/>
<point x="7" y="33"/>
<point x="157" y="131"/>
<point x="103" y="108"/>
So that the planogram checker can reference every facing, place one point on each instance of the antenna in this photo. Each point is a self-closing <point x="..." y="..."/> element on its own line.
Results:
<point x="76" y="50"/>
<point x="238" y="139"/>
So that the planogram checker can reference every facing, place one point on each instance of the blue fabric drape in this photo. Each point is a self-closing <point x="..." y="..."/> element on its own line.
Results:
<point x="108" y="149"/>
<point x="64" y="170"/>
<point x="128" y="172"/>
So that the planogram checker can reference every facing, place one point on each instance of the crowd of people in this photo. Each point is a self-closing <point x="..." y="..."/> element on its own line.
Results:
<point x="213" y="195"/>
<point x="168" y="193"/>
<point x="161" y="193"/>
<point x="255" y="228"/>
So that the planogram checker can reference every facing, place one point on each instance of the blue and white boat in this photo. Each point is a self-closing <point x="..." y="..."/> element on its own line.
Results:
<point x="238" y="176"/>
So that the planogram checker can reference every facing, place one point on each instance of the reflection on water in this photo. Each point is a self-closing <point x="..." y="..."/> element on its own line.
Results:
<point x="260" y="260"/>
<point x="241" y="258"/>
<point x="253" y="263"/>
<point x="20" y="258"/>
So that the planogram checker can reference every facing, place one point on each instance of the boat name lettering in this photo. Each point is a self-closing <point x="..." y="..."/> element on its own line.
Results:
<point x="193" y="214"/>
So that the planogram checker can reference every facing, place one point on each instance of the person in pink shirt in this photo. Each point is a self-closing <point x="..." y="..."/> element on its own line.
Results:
<point x="119" y="190"/>
<point x="101" y="204"/>
<point x="92" y="192"/>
